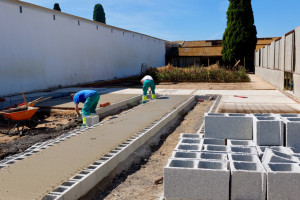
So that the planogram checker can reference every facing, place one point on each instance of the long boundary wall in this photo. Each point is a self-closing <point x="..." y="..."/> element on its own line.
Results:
<point x="43" y="48"/>
<point x="283" y="55"/>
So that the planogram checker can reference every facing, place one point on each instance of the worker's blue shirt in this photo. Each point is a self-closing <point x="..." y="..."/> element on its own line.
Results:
<point x="82" y="95"/>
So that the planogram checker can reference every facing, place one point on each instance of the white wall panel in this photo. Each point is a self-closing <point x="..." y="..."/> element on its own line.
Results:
<point x="288" y="63"/>
<point x="271" y="56"/>
<point x="277" y="54"/>
<point x="38" y="52"/>
<point x="297" y="53"/>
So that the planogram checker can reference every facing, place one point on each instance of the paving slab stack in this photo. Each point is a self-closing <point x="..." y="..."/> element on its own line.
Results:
<point x="240" y="156"/>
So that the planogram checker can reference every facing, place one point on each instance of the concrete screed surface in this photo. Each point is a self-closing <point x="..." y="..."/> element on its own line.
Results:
<point x="39" y="174"/>
<point x="67" y="102"/>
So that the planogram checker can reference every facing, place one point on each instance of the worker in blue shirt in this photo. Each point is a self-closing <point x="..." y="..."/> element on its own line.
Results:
<point x="147" y="82"/>
<point x="90" y="99"/>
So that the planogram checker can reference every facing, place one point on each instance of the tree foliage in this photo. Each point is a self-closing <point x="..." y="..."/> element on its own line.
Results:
<point x="99" y="14"/>
<point x="56" y="7"/>
<point x="239" y="38"/>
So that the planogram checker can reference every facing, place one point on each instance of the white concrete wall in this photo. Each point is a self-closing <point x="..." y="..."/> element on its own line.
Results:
<point x="283" y="60"/>
<point x="38" y="52"/>
<point x="275" y="77"/>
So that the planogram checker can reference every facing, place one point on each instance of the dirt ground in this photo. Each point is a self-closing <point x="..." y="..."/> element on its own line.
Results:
<point x="50" y="125"/>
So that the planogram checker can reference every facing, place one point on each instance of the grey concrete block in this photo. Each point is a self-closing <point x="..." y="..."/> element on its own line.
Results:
<point x="263" y="114"/>
<point x="268" y="131"/>
<point x="242" y="150"/>
<point x="213" y="156"/>
<point x="248" y="181"/>
<point x="196" y="179"/>
<point x="213" y="141"/>
<point x="190" y="141"/>
<point x="283" y="181"/>
<point x="232" y="142"/>
<point x="185" y="155"/>
<point x="295" y="150"/>
<point x="215" y="148"/>
<point x="92" y="120"/>
<point x="243" y="158"/>
<point x="272" y="156"/>
<point x="292" y="132"/>
<point x="260" y="150"/>
<point x="287" y="115"/>
<point x="188" y="147"/>
<point x="228" y="126"/>
<point x="190" y="136"/>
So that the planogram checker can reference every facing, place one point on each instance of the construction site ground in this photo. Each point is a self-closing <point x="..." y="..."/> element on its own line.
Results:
<point x="145" y="181"/>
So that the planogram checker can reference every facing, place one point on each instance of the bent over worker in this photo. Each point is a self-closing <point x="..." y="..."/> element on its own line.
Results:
<point x="90" y="99"/>
<point x="147" y="82"/>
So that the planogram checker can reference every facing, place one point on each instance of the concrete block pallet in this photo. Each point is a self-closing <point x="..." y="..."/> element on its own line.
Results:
<point x="259" y="165"/>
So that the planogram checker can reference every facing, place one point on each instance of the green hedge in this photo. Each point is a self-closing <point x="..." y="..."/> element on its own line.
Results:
<point x="198" y="74"/>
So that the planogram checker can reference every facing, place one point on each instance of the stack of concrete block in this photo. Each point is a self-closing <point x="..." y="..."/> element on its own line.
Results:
<point x="228" y="126"/>
<point x="196" y="179"/>
<point x="268" y="131"/>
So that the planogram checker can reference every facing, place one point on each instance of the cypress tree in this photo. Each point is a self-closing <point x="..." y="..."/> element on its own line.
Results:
<point x="99" y="14"/>
<point x="56" y="7"/>
<point x="239" y="38"/>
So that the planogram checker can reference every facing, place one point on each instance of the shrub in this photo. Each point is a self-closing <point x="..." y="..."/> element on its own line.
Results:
<point x="212" y="73"/>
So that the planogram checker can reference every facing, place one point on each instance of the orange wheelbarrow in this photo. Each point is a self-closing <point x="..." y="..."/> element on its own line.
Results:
<point x="22" y="118"/>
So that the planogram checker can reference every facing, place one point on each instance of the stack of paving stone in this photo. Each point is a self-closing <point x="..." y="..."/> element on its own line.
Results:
<point x="242" y="156"/>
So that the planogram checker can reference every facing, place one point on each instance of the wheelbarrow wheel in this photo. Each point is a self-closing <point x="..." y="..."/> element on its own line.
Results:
<point x="31" y="123"/>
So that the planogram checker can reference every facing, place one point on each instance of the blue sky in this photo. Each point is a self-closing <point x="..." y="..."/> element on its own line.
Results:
<point x="184" y="19"/>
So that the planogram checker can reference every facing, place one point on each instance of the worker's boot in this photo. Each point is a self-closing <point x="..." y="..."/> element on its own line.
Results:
<point x="153" y="96"/>
<point x="83" y="122"/>
<point x="144" y="99"/>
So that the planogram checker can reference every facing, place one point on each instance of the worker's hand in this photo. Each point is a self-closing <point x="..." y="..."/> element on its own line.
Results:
<point x="78" y="115"/>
